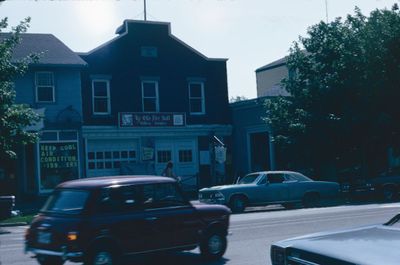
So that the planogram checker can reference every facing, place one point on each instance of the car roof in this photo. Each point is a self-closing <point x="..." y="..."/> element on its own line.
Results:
<point x="102" y="182"/>
<point x="276" y="172"/>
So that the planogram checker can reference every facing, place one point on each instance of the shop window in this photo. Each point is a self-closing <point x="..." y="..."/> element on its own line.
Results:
<point x="58" y="163"/>
<point x="163" y="156"/>
<point x="110" y="159"/>
<point x="150" y="96"/>
<point x="185" y="156"/>
<point x="101" y="97"/>
<point x="92" y="165"/>
<point x="49" y="136"/>
<point x="196" y="98"/>
<point x="44" y="82"/>
<point x="73" y="135"/>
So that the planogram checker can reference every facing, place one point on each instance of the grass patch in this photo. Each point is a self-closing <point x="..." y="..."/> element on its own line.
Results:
<point x="18" y="219"/>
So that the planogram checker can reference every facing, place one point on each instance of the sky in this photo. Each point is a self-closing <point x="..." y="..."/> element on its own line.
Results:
<point x="249" y="33"/>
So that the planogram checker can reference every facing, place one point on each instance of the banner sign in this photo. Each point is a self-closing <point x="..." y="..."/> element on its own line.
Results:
<point x="145" y="119"/>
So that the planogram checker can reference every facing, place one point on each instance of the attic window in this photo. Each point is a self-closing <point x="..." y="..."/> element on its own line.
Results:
<point x="147" y="51"/>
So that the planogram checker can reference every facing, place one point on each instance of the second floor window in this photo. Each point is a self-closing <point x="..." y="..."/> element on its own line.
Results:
<point x="150" y="96"/>
<point x="101" y="97"/>
<point x="44" y="83"/>
<point x="196" y="98"/>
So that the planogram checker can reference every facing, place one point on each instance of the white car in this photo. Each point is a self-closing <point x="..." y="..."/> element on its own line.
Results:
<point x="372" y="245"/>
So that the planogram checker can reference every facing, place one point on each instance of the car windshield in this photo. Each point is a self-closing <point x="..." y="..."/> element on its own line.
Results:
<point x="66" y="202"/>
<point x="248" y="179"/>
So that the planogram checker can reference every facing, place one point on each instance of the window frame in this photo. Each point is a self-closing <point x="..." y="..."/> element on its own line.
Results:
<point x="108" y="97"/>
<point x="202" y="98"/>
<point x="37" y="86"/>
<point x="157" y="102"/>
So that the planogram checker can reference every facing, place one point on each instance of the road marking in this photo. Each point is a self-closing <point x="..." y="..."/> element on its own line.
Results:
<point x="296" y="221"/>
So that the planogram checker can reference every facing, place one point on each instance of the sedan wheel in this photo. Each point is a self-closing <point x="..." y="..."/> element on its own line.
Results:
<point x="389" y="194"/>
<point x="311" y="200"/>
<point x="237" y="204"/>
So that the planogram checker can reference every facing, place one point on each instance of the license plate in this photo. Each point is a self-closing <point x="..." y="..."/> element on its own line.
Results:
<point x="44" y="237"/>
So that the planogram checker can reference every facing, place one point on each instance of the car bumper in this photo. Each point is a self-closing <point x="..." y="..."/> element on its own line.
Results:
<point x="212" y="201"/>
<point x="64" y="254"/>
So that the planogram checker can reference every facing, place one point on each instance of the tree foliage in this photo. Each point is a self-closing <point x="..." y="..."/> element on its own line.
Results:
<point x="345" y="89"/>
<point x="14" y="118"/>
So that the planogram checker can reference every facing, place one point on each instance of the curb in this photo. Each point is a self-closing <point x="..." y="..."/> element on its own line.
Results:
<point x="13" y="224"/>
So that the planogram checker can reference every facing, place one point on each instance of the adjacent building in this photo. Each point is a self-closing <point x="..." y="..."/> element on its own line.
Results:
<point x="52" y="87"/>
<point x="269" y="78"/>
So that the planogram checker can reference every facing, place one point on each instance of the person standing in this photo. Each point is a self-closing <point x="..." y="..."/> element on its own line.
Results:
<point x="168" y="171"/>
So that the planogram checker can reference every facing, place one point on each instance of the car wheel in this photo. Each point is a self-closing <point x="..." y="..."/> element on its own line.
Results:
<point x="49" y="260"/>
<point x="389" y="194"/>
<point x="238" y="204"/>
<point x="311" y="200"/>
<point x="213" y="246"/>
<point x="102" y="256"/>
<point x="289" y="205"/>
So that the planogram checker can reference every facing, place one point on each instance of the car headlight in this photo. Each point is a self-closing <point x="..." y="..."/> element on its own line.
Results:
<point x="219" y="196"/>
<point x="277" y="255"/>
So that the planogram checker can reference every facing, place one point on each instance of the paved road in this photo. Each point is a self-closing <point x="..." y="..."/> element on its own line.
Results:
<point x="252" y="234"/>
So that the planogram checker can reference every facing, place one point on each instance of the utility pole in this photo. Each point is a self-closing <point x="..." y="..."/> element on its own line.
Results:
<point x="145" y="15"/>
<point x="326" y="11"/>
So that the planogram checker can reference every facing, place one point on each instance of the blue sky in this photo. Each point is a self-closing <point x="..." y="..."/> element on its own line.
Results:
<point x="250" y="33"/>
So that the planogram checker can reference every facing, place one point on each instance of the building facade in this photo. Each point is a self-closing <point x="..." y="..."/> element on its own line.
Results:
<point x="149" y="98"/>
<point x="52" y="87"/>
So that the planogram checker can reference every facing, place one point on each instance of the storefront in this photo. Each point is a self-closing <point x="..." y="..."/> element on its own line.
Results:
<point x="143" y="144"/>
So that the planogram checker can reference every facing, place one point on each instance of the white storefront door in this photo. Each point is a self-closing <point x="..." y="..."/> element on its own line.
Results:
<point x="183" y="154"/>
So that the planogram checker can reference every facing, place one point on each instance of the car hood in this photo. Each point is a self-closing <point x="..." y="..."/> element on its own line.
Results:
<point x="226" y="187"/>
<point x="363" y="246"/>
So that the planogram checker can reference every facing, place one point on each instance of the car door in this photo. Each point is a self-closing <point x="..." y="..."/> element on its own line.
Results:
<point x="120" y="215"/>
<point x="174" y="221"/>
<point x="273" y="189"/>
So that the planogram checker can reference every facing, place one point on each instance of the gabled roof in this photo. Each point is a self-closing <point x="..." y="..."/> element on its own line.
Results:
<point x="274" y="64"/>
<point x="123" y="30"/>
<point x="54" y="52"/>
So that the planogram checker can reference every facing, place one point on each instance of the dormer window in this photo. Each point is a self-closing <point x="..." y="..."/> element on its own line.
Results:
<point x="44" y="84"/>
<point x="147" y="51"/>
<point x="101" y="97"/>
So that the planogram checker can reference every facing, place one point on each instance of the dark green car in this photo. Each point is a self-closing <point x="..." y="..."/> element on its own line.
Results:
<point x="271" y="187"/>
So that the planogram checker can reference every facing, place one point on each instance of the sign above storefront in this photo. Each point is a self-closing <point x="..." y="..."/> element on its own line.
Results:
<point x="145" y="119"/>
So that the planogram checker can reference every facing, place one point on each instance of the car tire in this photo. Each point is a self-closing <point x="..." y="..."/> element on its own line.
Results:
<point x="290" y="205"/>
<point x="311" y="200"/>
<point x="238" y="204"/>
<point x="49" y="260"/>
<point x="102" y="255"/>
<point x="213" y="246"/>
<point x="389" y="194"/>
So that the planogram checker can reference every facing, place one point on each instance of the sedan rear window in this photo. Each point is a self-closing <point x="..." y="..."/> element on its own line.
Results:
<point x="249" y="179"/>
<point x="66" y="202"/>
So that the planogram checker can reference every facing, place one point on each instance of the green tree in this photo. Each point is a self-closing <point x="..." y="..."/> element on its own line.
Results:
<point x="345" y="87"/>
<point x="14" y="118"/>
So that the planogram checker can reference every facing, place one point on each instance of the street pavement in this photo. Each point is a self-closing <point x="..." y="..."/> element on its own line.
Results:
<point x="251" y="234"/>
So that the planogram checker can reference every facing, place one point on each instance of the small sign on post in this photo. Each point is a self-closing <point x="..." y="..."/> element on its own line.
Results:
<point x="220" y="154"/>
